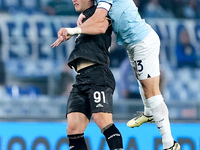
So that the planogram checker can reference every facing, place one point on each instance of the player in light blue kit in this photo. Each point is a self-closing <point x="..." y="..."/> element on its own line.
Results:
<point x="143" y="46"/>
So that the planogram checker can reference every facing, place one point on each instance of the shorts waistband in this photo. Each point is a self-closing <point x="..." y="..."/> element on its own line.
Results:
<point x="86" y="68"/>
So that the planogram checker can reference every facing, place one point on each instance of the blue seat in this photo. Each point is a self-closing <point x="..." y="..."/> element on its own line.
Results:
<point x="17" y="91"/>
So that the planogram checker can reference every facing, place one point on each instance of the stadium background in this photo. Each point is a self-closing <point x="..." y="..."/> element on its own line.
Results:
<point x="32" y="105"/>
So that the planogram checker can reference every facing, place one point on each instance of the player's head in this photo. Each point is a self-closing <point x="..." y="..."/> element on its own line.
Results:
<point x="82" y="5"/>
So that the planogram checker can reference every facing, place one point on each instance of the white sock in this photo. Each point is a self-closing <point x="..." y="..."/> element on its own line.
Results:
<point x="161" y="118"/>
<point x="147" y="111"/>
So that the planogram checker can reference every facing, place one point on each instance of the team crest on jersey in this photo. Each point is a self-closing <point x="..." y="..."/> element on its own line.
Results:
<point x="99" y="105"/>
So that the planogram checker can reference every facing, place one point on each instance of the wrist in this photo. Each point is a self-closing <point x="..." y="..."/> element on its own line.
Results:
<point x="73" y="31"/>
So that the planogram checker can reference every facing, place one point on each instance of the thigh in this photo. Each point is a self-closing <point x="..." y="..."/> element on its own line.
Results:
<point x="101" y="99"/>
<point x="144" y="57"/>
<point x="77" y="123"/>
<point x="151" y="86"/>
<point x="78" y="102"/>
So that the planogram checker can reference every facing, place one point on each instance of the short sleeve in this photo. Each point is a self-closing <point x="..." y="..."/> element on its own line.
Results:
<point x="105" y="4"/>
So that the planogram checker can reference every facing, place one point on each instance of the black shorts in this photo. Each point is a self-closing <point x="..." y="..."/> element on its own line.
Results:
<point x="92" y="91"/>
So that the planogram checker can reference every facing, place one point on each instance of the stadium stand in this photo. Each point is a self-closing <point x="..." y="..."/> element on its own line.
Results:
<point x="33" y="68"/>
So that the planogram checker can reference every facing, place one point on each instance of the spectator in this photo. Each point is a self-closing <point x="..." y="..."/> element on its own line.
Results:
<point x="153" y="9"/>
<point x="168" y="6"/>
<point x="140" y="4"/>
<point x="66" y="81"/>
<point x="177" y="8"/>
<point x="0" y="45"/>
<point x="128" y="86"/>
<point x="117" y="53"/>
<point x="137" y="3"/>
<point x="3" y="91"/>
<point x="191" y="10"/>
<point x="185" y="51"/>
<point x="60" y="7"/>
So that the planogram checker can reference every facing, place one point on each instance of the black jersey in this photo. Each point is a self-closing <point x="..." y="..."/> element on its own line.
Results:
<point x="91" y="47"/>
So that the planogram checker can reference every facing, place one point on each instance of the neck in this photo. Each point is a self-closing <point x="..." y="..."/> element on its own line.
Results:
<point x="90" y="3"/>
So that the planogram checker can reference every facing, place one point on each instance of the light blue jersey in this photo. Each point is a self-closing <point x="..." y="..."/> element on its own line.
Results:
<point x="127" y="23"/>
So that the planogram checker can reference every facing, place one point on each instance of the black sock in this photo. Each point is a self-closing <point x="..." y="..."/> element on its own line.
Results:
<point x="113" y="138"/>
<point x="77" y="142"/>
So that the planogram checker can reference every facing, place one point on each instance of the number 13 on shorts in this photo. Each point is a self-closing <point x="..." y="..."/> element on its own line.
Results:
<point x="139" y="65"/>
<point x="141" y="69"/>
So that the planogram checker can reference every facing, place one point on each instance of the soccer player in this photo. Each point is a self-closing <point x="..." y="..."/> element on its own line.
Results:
<point x="92" y="93"/>
<point x="143" y="46"/>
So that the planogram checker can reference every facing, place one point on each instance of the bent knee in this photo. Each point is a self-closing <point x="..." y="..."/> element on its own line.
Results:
<point x="72" y="129"/>
<point x="150" y="87"/>
<point x="102" y="119"/>
<point x="76" y="127"/>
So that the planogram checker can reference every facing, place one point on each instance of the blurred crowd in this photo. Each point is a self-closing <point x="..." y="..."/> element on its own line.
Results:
<point x="147" y="8"/>
<point x="189" y="9"/>
<point x="46" y="7"/>
<point x="186" y="53"/>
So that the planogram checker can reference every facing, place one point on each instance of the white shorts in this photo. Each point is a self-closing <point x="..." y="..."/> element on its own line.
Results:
<point x="144" y="56"/>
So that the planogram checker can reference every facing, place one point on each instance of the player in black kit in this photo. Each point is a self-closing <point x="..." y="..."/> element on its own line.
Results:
<point x="92" y="93"/>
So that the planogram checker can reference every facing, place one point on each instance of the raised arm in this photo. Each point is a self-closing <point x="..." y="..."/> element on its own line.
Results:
<point x="96" y="24"/>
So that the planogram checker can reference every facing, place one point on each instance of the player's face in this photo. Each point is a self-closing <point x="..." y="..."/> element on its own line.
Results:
<point x="81" y="5"/>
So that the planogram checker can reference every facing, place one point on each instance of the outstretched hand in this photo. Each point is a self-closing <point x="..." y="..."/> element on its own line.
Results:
<point x="62" y="36"/>
<point x="57" y="42"/>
